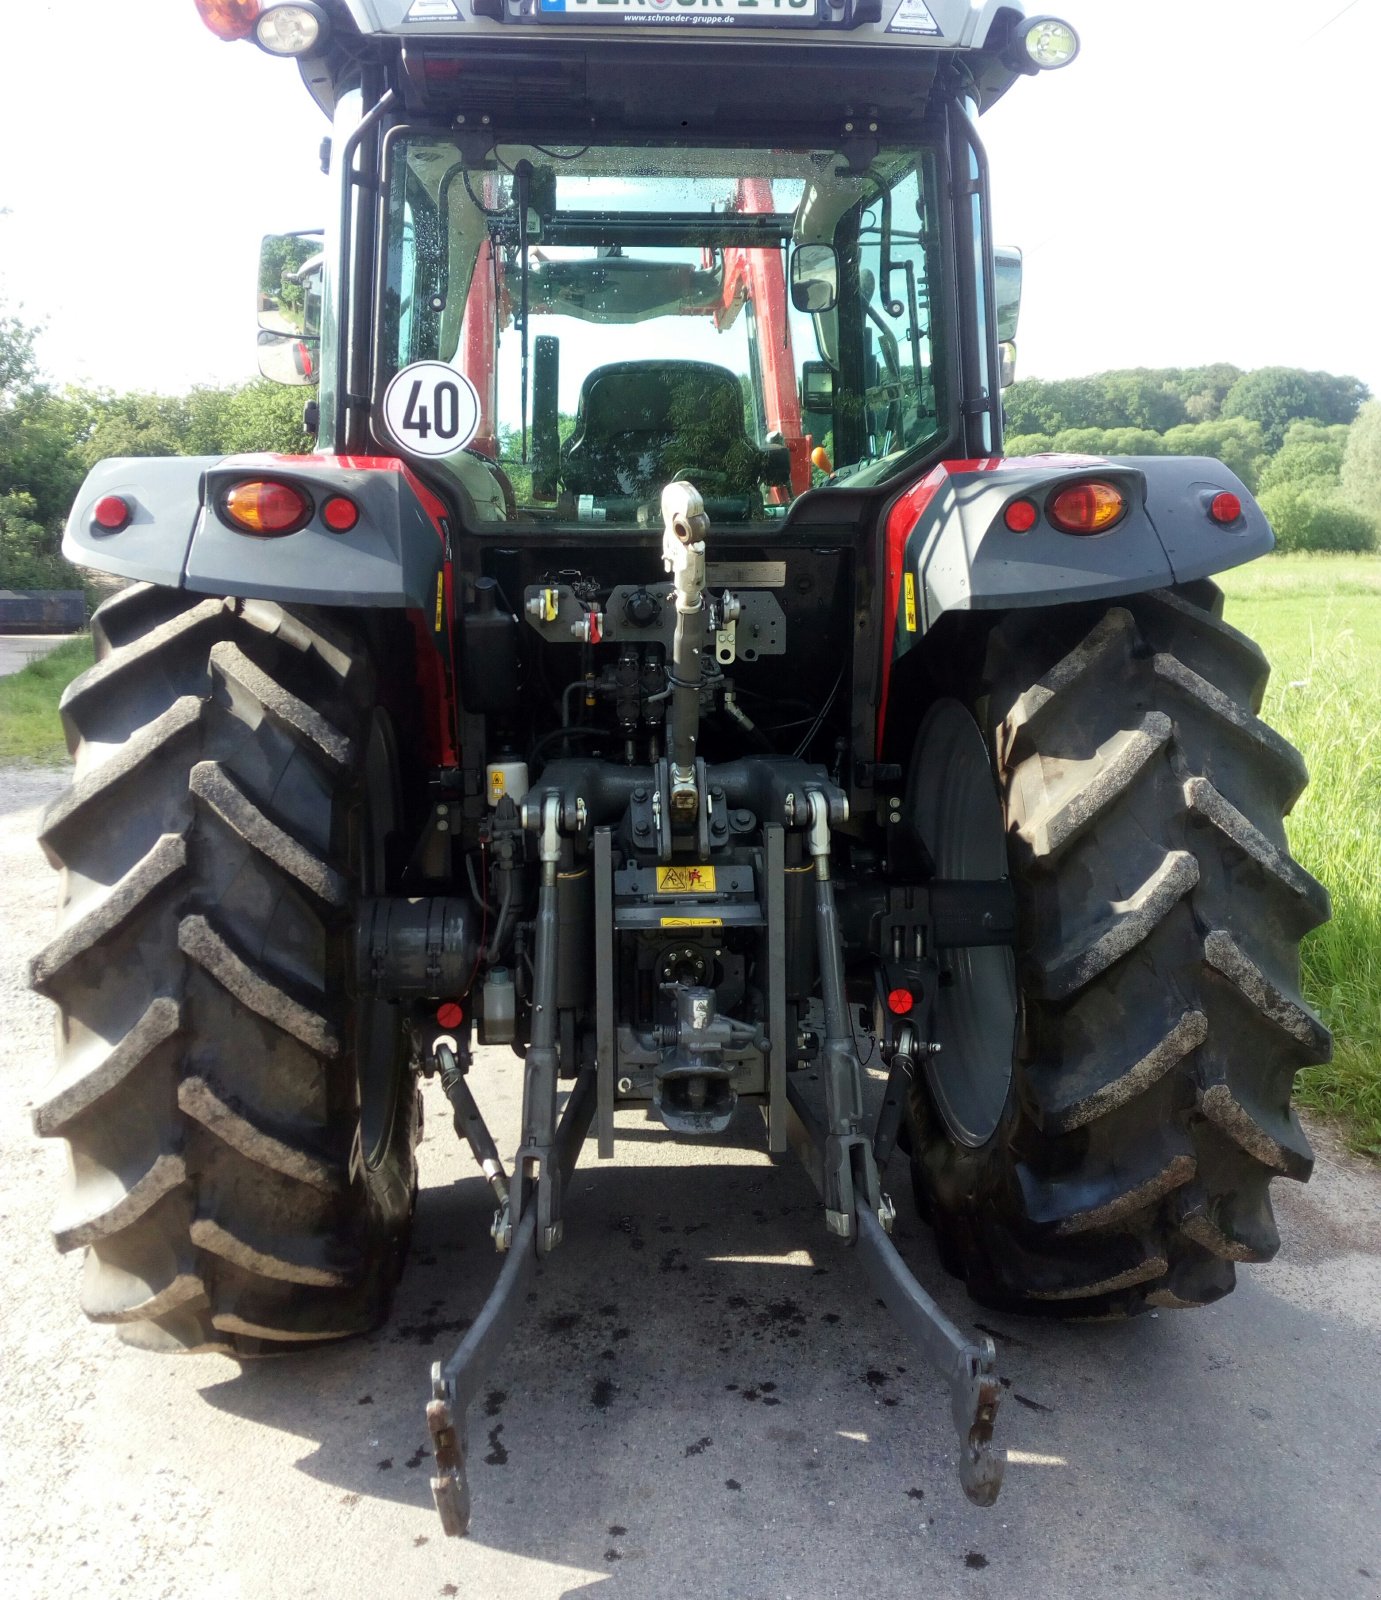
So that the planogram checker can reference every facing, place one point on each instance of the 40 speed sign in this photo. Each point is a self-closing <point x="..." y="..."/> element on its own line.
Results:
<point x="431" y="408"/>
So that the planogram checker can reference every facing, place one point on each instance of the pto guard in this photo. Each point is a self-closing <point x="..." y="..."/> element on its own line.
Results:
<point x="392" y="557"/>
<point x="960" y="556"/>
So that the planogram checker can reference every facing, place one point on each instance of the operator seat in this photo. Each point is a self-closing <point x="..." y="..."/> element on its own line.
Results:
<point x="639" y="424"/>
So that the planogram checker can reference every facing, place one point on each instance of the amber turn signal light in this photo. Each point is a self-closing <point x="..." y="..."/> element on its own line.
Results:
<point x="229" y="19"/>
<point x="266" y="509"/>
<point x="1085" y="508"/>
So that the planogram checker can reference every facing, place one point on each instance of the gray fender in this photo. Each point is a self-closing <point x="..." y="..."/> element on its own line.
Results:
<point x="177" y="537"/>
<point x="961" y="556"/>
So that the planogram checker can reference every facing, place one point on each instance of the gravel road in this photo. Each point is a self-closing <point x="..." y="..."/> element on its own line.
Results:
<point x="706" y="1401"/>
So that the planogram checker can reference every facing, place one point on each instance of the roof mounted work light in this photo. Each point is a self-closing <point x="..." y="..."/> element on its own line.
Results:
<point x="229" y="19"/>
<point x="291" y="30"/>
<point x="1043" y="43"/>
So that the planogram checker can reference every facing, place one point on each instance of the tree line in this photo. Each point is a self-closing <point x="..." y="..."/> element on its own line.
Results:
<point x="1308" y="444"/>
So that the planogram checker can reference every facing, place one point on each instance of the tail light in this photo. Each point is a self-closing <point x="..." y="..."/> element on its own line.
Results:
<point x="266" y="509"/>
<point x="1225" y="508"/>
<point x="111" y="513"/>
<point x="1085" y="508"/>
<point x="340" y="514"/>
<point x="229" y="19"/>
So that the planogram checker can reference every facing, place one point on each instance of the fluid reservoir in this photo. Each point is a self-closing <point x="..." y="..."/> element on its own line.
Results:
<point x="496" y="1006"/>
<point x="506" y="778"/>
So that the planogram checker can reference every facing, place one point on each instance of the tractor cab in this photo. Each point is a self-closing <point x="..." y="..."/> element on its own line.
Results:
<point x="627" y="315"/>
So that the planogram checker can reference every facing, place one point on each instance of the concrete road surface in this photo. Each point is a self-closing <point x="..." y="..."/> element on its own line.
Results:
<point x="17" y="650"/>
<point x="706" y="1401"/>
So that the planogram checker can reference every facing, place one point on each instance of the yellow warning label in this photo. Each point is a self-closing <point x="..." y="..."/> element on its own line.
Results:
<point x="685" y="880"/>
<point x="692" y="922"/>
<point x="911" y="602"/>
<point x="440" y="590"/>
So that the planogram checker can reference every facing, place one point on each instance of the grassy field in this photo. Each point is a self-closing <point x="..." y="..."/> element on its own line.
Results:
<point x="29" y="727"/>
<point x="1319" y="620"/>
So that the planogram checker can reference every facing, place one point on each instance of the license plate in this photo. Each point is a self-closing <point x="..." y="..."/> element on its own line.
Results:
<point x="681" y="13"/>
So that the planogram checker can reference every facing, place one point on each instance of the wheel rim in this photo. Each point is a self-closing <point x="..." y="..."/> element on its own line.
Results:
<point x="956" y="813"/>
<point x="377" y="1030"/>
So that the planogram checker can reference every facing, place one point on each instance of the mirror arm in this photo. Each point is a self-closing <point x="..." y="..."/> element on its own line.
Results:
<point x="914" y="315"/>
<point x="894" y="307"/>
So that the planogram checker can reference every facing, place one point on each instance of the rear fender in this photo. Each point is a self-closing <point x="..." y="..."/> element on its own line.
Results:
<point x="948" y="548"/>
<point x="176" y="536"/>
<point x="396" y="556"/>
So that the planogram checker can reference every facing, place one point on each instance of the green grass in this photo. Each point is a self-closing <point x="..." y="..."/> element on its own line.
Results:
<point x="29" y="726"/>
<point x="1319" y="620"/>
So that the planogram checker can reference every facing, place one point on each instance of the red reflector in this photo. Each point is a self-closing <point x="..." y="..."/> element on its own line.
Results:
<point x="111" y="513"/>
<point x="1086" y="508"/>
<point x="1021" y="516"/>
<point x="1225" y="508"/>
<point x="229" y="19"/>
<point x="340" y="514"/>
<point x="900" y="1001"/>
<point x="266" y="508"/>
<point x="450" y="1015"/>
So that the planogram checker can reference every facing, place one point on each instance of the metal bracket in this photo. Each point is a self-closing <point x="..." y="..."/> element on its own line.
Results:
<point x="455" y="1382"/>
<point x="968" y="1367"/>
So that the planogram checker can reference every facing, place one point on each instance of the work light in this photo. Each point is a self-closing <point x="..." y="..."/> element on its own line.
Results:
<point x="1044" y="43"/>
<point x="291" y="30"/>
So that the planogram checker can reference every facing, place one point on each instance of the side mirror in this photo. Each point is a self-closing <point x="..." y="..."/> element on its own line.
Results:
<point x="817" y="386"/>
<point x="1007" y="360"/>
<point x="286" y="359"/>
<point x="815" y="277"/>
<point x="289" y="306"/>
<point x="1008" y="274"/>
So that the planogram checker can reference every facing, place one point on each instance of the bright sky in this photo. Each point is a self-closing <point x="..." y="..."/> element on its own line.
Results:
<point x="1200" y="185"/>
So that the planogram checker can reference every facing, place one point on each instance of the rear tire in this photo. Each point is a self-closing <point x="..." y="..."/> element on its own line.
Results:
<point x="242" y="1126"/>
<point x="1159" y="1022"/>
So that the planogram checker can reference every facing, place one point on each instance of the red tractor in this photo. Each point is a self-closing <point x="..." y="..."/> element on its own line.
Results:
<point x="659" y="670"/>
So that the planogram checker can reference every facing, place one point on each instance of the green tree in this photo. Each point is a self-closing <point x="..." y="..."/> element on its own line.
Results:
<point x="1027" y="444"/>
<point x="1310" y="450"/>
<point x="1312" y="515"/>
<point x="1361" y="469"/>
<point x="1203" y="389"/>
<point x="1109" y="442"/>
<point x="1276" y="396"/>
<point x="38" y="474"/>
<point x="1234" y="441"/>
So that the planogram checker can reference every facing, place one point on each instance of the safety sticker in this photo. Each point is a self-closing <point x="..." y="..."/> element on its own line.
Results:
<point x="432" y="11"/>
<point x="910" y="586"/>
<point x="692" y="922"/>
<point x="432" y="409"/>
<point x="440" y="591"/>
<point x="685" y="880"/>
<point x="913" y="16"/>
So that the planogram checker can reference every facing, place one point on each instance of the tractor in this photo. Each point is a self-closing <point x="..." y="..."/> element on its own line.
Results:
<point x="658" y="670"/>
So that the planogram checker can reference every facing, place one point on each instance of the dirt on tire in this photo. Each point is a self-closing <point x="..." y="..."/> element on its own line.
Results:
<point x="1160" y="1020"/>
<point x="209" y="1065"/>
